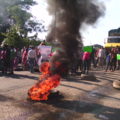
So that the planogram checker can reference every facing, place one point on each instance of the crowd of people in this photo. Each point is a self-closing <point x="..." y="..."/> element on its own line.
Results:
<point x="29" y="57"/>
<point x="9" y="58"/>
<point x="101" y="58"/>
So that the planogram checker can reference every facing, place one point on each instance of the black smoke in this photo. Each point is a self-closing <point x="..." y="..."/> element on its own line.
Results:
<point x="69" y="16"/>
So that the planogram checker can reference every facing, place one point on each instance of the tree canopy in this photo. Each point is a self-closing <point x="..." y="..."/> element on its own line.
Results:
<point x="16" y="21"/>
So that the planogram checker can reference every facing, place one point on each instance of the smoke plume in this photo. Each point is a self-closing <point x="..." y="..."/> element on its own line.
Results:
<point x="69" y="15"/>
<point x="4" y="6"/>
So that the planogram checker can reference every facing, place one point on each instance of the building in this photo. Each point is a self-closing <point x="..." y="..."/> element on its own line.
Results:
<point x="113" y="38"/>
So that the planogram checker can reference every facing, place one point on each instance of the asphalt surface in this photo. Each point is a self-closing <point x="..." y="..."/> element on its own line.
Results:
<point x="91" y="97"/>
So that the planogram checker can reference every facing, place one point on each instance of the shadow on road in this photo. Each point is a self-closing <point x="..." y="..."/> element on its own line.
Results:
<point x="73" y="106"/>
<point x="20" y="76"/>
<point x="5" y="98"/>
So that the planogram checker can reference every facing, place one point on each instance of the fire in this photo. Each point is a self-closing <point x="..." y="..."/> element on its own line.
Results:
<point x="45" y="68"/>
<point x="48" y="81"/>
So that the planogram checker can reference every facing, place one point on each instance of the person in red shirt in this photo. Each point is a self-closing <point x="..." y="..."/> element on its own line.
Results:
<point x="86" y="62"/>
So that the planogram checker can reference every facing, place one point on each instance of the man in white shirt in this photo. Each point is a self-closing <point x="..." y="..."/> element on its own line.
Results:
<point x="101" y="57"/>
<point x="31" y="58"/>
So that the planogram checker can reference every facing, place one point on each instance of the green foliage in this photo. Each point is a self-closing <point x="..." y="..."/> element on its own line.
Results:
<point x="34" y="42"/>
<point x="26" y="3"/>
<point x="16" y="22"/>
<point x="14" y="39"/>
<point x="19" y="16"/>
<point x="14" y="13"/>
<point x="2" y="37"/>
<point x="49" y="44"/>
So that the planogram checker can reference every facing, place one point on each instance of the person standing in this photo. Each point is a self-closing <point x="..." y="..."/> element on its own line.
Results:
<point x="101" y="57"/>
<point x="12" y="58"/>
<point x="108" y="61"/>
<point x="86" y="62"/>
<point x="6" y="59"/>
<point x="113" y="60"/>
<point x="31" y="58"/>
<point x="24" y="58"/>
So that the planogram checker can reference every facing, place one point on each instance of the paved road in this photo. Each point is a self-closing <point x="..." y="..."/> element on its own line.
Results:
<point x="89" y="98"/>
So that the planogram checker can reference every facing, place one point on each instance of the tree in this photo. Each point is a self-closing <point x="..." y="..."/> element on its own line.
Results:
<point x="17" y="21"/>
<point x="20" y="16"/>
<point x="14" y="39"/>
<point x="3" y="29"/>
<point x="15" y="13"/>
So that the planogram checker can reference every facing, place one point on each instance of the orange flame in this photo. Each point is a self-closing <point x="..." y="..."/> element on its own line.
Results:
<point x="41" y="90"/>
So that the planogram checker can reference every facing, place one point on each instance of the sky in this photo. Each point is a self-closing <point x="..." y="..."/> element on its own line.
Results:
<point x="96" y="34"/>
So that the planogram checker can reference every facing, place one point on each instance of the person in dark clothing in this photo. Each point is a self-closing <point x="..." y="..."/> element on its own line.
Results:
<point x="5" y="59"/>
<point x="108" y="61"/>
<point x="113" y="60"/>
<point x="12" y="57"/>
<point x="92" y="58"/>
